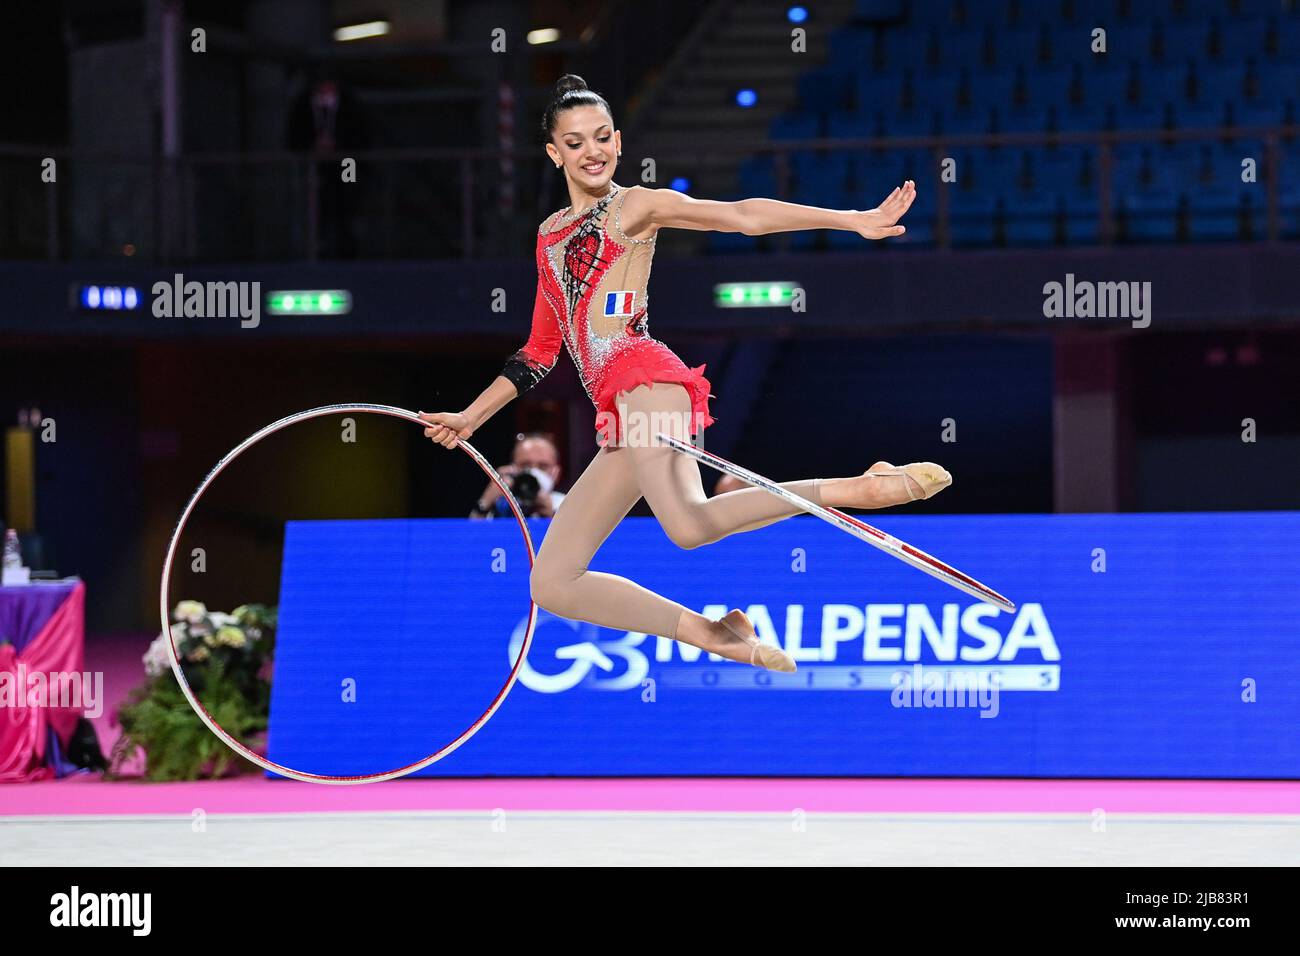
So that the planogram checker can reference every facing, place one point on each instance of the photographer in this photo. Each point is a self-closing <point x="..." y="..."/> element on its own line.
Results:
<point x="531" y="476"/>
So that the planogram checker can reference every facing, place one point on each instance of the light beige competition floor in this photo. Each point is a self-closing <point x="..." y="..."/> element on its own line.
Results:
<point x="643" y="838"/>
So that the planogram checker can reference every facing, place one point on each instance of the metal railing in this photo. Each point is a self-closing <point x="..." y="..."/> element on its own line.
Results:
<point x="435" y="203"/>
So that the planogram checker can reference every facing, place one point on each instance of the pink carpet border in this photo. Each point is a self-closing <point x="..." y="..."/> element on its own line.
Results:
<point x="88" y="795"/>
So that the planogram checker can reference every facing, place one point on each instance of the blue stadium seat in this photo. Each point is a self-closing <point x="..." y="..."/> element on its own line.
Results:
<point x="1081" y="215"/>
<point x="918" y="122"/>
<point x="1150" y="214"/>
<point x="918" y="164"/>
<point x="1289" y="211"/>
<point x="1061" y="168"/>
<point x="1141" y="116"/>
<point x="1185" y="41"/>
<point x="1204" y="114"/>
<point x="972" y="216"/>
<point x="992" y="87"/>
<point x="879" y="9"/>
<point x="1218" y="213"/>
<point x="1018" y="46"/>
<point x="875" y="171"/>
<point x="1162" y="166"/>
<point x="1226" y="161"/>
<point x="965" y="122"/>
<point x="1192" y="165"/>
<point x="1247" y="144"/>
<point x="1257" y="8"/>
<point x="1288" y="38"/>
<point x="1088" y="117"/>
<point x="1274" y="82"/>
<point x="993" y="13"/>
<point x="1194" y="9"/>
<point x="852" y="46"/>
<point x="962" y="47"/>
<point x="962" y="167"/>
<point x="1107" y="87"/>
<point x="1130" y="164"/>
<point x="1221" y="82"/>
<point x="758" y="177"/>
<point x="1031" y="216"/>
<point x="935" y="89"/>
<point x="1073" y="44"/>
<point x="826" y="89"/>
<point x="828" y="170"/>
<point x="1289" y="169"/>
<point x="1035" y="118"/>
<point x="852" y="125"/>
<point x="1122" y="12"/>
<point x="1241" y="37"/>
<point x="870" y="170"/>
<point x="1277" y="82"/>
<point x="1162" y="84"/>
<point x="876" y="91"/>
<point x="1007" y="169"/>
<point x="900" y="49"/>
<point x="795" y="126"/>
<point x="1049" y="86"/>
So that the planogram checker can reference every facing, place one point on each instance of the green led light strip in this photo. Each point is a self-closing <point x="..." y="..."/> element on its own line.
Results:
<point x="754" y="295"/>
<point x="309" y="302"/>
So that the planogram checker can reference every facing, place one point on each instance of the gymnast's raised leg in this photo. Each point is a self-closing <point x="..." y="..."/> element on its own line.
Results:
<point x="618" y="476"/>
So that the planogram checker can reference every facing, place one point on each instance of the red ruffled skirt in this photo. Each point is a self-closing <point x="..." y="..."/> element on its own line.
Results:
<point x="643" y="366"/>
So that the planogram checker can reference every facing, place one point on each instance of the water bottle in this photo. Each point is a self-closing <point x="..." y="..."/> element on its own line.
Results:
<point x="13" y="554"/>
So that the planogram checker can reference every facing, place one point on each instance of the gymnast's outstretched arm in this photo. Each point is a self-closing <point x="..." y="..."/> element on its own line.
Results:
<point x="644" y="209"/>
<point x="524" y="369"/>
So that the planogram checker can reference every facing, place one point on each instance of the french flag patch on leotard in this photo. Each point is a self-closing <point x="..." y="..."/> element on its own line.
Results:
<point x="619" y="303"/>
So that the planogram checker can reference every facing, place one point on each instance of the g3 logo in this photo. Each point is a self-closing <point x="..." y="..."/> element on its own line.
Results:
<point x="582" y="656"/>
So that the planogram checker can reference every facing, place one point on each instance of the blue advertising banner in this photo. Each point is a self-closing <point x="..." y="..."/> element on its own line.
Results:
<point x="1146" y="645"/>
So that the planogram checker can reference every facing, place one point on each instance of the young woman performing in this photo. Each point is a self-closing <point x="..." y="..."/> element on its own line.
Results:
<point x="593" y="262"/>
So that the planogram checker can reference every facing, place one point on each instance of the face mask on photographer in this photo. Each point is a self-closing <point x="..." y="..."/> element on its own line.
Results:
<point x="544" y="480"/>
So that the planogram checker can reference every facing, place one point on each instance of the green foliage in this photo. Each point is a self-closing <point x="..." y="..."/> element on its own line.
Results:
<point x="226" y="659"/>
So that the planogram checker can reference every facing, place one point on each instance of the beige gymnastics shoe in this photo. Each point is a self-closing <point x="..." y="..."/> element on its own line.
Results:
<point x="761" y="655"/>
<point x="927" y="478"/>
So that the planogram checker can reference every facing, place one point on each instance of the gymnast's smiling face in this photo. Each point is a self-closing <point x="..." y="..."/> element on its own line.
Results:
<point x="586" y="142"/>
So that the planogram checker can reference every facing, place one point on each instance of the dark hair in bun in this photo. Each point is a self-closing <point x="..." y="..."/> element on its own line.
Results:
<point x="570" y="91"/>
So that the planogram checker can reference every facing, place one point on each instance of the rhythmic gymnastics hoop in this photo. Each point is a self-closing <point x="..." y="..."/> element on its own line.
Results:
<point x="846" y="522"/>
<point x="231" y="742"/>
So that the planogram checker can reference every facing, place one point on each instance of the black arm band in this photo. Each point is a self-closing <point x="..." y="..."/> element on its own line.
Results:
<point x="523" y="372"/>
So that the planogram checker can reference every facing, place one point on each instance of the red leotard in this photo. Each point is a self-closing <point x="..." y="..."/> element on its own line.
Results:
<point x="592" y="296"/>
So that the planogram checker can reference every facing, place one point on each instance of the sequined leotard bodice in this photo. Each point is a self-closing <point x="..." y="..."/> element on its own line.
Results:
<point x="592" y="296"/>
